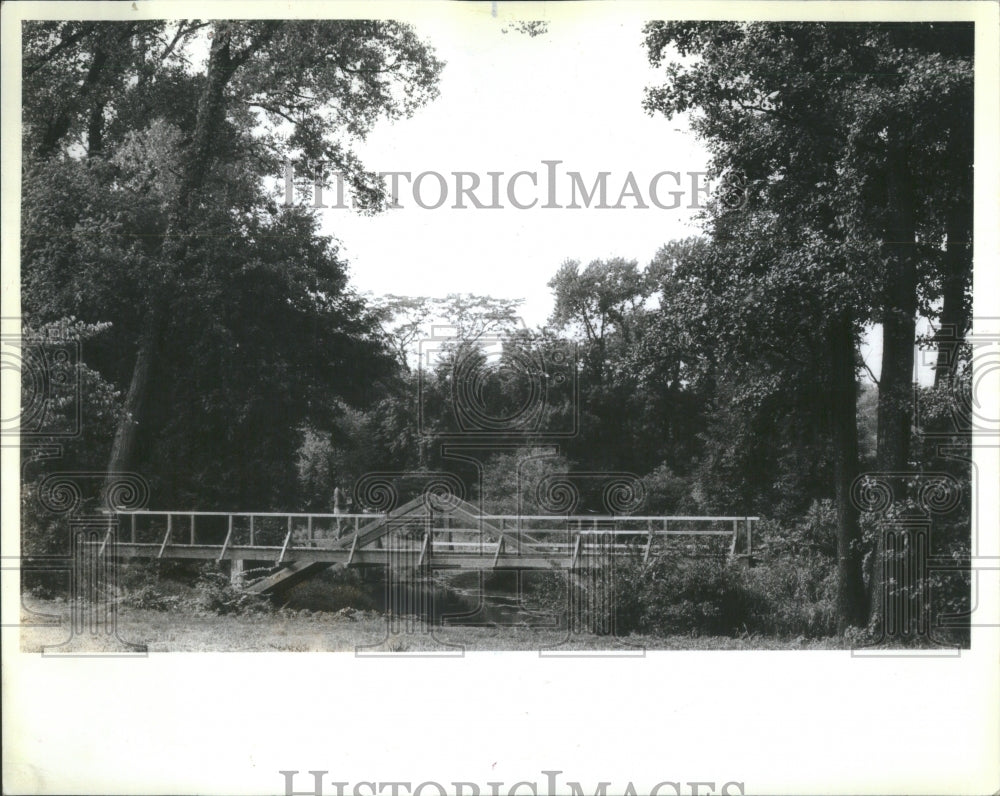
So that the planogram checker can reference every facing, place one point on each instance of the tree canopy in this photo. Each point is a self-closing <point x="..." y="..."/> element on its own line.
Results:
<point x="150" y="154"/>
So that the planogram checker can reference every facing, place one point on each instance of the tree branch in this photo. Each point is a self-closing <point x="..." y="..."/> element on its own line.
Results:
<point x="64" y="44"/>
<point x="870" y="374"/>
<point x="182" y="32"/>
<point x="237" y="60"/>
<point x="272" y="109"/>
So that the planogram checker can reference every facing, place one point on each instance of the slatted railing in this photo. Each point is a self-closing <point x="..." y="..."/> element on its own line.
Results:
<point x="436" y="535"/>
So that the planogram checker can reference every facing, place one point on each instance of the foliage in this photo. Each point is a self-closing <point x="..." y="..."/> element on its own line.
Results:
<point x="148" y="597"/>
<point x="603" y="297"/>
<point x="667" y="493"/>
<point x="676" y="596"/>
<point x="512" y="481"/>
<point x="215" y="593"/>
<point x="148" y="205"/>
<point x="465" y="318"/>
<point x="785" y="596"/>
<point x="67" y="404"/>
<point x="843" y="135"/>
<point x="940" y="595"/>
<point x="725" y="372"/>
<point x="289" y="76"/>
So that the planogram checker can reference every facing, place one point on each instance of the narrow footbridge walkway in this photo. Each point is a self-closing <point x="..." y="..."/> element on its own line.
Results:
<point x="426" y="533"/>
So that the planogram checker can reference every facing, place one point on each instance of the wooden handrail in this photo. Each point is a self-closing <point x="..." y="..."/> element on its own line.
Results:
<point x="591" y="518"/>
<point x="577" y="526"/>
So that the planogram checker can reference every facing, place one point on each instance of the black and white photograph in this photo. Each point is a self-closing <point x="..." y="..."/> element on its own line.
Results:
<point x="500" y="398"/>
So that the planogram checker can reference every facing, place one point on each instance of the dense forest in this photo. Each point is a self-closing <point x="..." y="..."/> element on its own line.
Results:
<point x="225" y="356"/>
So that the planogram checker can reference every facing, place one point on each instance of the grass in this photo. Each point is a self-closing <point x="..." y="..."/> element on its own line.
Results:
<point x="345" y="631"/>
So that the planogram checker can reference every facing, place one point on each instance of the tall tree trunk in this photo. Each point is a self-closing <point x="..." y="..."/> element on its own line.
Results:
<point x="56" y="128"/>
<point x="124" y="446"/>
<point x="211" y="112"/>
<point x="895" y="394"/>
<point x="957" y="279"/>
<point x="851" y="598"/>
<point x="895" y="389"/>
<point x="95" y="116"/>
<point x="95" y="130"/>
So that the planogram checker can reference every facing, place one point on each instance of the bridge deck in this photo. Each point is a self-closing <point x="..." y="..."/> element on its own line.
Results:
<point x="363" y="539"/>
<point x="418" y="535"/>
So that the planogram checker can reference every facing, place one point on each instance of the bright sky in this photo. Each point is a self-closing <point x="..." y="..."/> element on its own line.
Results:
<point x="508" y="102"/>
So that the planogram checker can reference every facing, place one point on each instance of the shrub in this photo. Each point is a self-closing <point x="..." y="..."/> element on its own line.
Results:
<point x="214" y="593"/>
<point x="784" y="596"/>
<point x="666" y="492"/>
<point x="148" y="597"/>
<point x="673" y="595"/>
<point x="791" y="590"/>
<point x="790" y="595"/>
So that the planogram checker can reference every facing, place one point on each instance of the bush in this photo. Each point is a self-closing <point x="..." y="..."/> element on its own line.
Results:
<point x="790" y="591"/>
<point x="791" y="595"/>
<point x="147" y="585"/>
<point x="148" y="597"/>
<point x="676" y="595"/>
<point x="666" y="492"/>
<point x="214" y="593"/>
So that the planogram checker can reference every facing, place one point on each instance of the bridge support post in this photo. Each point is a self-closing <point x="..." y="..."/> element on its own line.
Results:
<point x="236" y="571"/>
<point x="592" y="586"/>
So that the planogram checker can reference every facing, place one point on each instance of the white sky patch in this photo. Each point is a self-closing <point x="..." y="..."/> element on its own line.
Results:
<point x="508" y="102"/>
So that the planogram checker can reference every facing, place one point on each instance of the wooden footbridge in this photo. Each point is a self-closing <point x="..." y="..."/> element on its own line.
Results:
<point x="426" y="533"/>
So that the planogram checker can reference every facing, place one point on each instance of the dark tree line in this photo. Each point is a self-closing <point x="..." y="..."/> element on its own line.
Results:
<point x="148" y="150"/>
<point x="855" y="142"/>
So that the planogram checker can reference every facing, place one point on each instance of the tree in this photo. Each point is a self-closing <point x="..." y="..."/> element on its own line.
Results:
<point x="601" y="298"/>
<point x="467" y="317"/>
<point x="868" y="125"/>
<point x="837" y="130"/>
<point x="266" y="90"/>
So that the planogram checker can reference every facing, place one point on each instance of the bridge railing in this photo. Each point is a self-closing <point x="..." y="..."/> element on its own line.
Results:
<point x="440" y="532"/>
<point x="556" y="534"/>
<point x="263" y="530"/>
